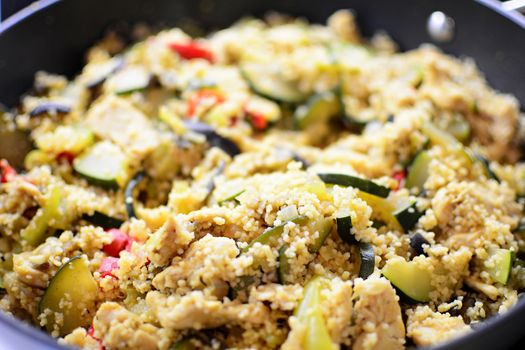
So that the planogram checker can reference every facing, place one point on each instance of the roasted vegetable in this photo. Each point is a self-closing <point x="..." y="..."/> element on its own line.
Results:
<point x="284" y="265"/>
<point x="364" y="185"/>
<point x="103" y="220"/>
<point x="103" y="165"/>
<point x="273" y="232"/>
<point x="213" y="138"/>
<point x="129" y="199"/>
<point x="419" y="171"/>
<point x="318" y="109"/>
<point x="36" y="231"/>
<point x="499" y="265"/>
<point x="50" y="108"/>
<point x="408" y="215"/>
<point x="71" y="292"/>
<point x="416" y="243"/>
<point x="366" y="259"/>
<point x="410" y="279"/>
<point x="269" y="83"/>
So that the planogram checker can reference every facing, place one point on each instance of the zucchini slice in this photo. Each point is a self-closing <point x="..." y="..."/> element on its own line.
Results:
<point x="129" y="200"/>
<point x="459" y="128"/>
<point x="269" y="83"/>
<point x="213" y="137"/>
<point x="500" y="261"/>
<point x="408" y="216"/>
<point x="486" y="166"/>
<point x="383" y="209"/>
<point x="407" y="277"/>
<point x="231" y="198"/>
<point x="317" y="109"/>
<point x="284" y="265"/>
<point x="367" y="260"/>
<point x="273" y="232"/>
<point x="35" y="232"/>
<point x="419" y="171"/>
<point x="103" y="165"/>
<point x="445" y="140"/>
<point x="323" y="227"/>
<point x="183" y="344"/>
<point x="97" y="73"/>
<point x="128" y="80"/>
<point x="364" y="185"/>
<point x="71" y="292"/>
<point x="309" y="313"/>
<point x="344" y="229"/>
<point x="416" y="243"/>
<point x="103" y="220"/>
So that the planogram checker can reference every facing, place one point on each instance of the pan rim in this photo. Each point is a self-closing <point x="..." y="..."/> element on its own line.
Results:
<point x="24" y="329"/>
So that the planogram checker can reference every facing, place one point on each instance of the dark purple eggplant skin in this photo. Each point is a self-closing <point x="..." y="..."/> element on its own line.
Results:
<point x="213" y="138"/>
<point x="49" y="108"/>
<point x="119" y="64"/>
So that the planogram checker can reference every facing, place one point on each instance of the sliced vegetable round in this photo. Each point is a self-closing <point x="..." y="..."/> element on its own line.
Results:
<point x="71" y="292"/>
<point x="419" y="171"/>
<point x="408" y="216"/>
<point x="50" y="108"/>
<point x="416" y="243"/>
<point x="309" y="313"/>
<point x="129" y="200"/>
<point x="269" y="83"/>
<point x="445" y="140"/>
<point x="317" y="109"/>
<point x="103" y="220"/>
<point x="486" y="166"/>
<point x="128" y="80"/>
<point x="214" y="138"/>
<point x="231" y="198"/>
<point x="323" y="227"/>
<point x="284" y="265"/>
<point x="364" y="185"/>
<point x="500" y="265"/>
<point x="36" y="231"/>
<point x="103" y="165"/>
<point x="344" y="229"/>
<point x="366" y="259"/>
<point x="410" y="279"/>
<point x="273" y="232"/>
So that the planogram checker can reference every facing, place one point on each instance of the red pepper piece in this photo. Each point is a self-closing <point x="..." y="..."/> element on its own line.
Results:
<point x="399" y="176"/>
<point x="258" y="120"/>
<point x="107" y="267"/>
<point x="91" y="333"/>
<point x="191" y="50"/>
<point x="66" y="157"/>
<point x="7" y="172"/>
<point x="120" y="242"/>
<point x="208" y="96"/>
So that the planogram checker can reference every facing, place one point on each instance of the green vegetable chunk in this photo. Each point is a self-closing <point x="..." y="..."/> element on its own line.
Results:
<point x="408" y="216"/>
<point x="366" y="260"/>
<point x="103" y="165"/>
<point x="500" y="265"/>
<point x="310" y="314"/>
<point x="35" y="232"/>
<point x="269" y="83"/>
<point x="274" y="232"/>
<point x="284" y="265"/>
<point x="71" y="292"/>
<point x="344" y="229"/>
<point x="318" y="109"/>
<point x="419" y="171"/>
<point x="324" y="228"/>
<point x="410" y="279"/>
<point x="364" y="185"/>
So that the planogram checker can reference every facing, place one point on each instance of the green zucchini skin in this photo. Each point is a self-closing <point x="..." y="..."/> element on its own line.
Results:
<point x="129" y="200"/>
<point x="367" y="258"/>
<point x="418" y="172"/>
<point x="103" y="220"/>
<point x="213" y="138"/>
<point x="486" y="165"/>
<point x="344" y="229"/>
<point x="318" y="108"/>
<point x="364" y="185"/>
<point x="408" y="216"/>
<point x="258" y="76"/>
<point x="284" y="266"/>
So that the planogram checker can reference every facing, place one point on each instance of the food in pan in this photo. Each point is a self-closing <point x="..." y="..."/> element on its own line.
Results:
<point x="276" y="184"/>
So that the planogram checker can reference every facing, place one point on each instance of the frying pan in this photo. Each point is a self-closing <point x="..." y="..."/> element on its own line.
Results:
<point x="53" y="35"/>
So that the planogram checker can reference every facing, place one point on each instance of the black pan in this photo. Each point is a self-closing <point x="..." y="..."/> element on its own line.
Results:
<point x="53" y="35"/>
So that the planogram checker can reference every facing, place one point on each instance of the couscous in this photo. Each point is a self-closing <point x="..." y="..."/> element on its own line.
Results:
<point x="275" y="184"/>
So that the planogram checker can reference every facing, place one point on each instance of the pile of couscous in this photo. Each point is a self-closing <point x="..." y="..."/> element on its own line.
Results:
<point x="276" y="184"/>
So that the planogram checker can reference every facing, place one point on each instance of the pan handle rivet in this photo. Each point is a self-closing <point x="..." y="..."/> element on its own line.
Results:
<point x="440" y="27"/>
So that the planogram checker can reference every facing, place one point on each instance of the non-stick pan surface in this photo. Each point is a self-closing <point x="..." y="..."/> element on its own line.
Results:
<point x="53" y="35"/>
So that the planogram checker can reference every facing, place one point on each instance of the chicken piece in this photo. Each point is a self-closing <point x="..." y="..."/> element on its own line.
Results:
<point x="377" y="313"/>
<point x="169" y="240"/>
<point x="194" y="309"/>
<point x="117" y="120"/>
<point x="207" y="263"/>
<point x="426" y="327"/>
<point x="119" y="328"/>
